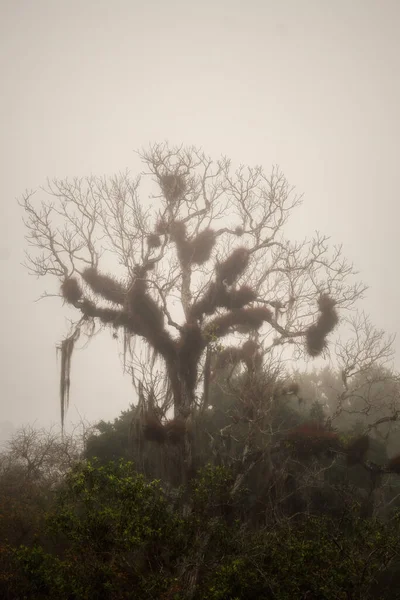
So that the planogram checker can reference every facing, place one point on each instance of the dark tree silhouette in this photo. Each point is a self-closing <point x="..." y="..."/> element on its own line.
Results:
<point x="206" y="259"/>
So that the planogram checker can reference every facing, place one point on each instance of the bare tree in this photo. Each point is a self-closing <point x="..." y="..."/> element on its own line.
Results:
<point x="44" y="455"/>
<point x="364" y="388"/>
<point x="204" y="258"/>
<point x="33" y="465"/>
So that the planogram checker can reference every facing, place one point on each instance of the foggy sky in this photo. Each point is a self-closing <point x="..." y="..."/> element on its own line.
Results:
<point x="310" y="85"/>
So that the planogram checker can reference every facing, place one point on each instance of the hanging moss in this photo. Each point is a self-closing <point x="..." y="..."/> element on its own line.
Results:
<point x="218" y="296"/>
<point x="173" y="186"/>
<point x="329" y="317"/>
<point x="177" y="231"/>
<point x="215" y="296"/>
<point x="66" y="349"/>
<point x="88" y="308"/>
<point x="239" y="298"/>
<point x="249" y="348"/>
<point x="105" y="286"/>
<point x="189" y="350"/>
<point x="201" y="247"/>
<point x="146" y="317"/>
<point x="316" y="334"/>
<point x="315" y="340"/>
<point x="161" y="227"/>
<point x="228" y="356"/>
<point x="71" y="290"/>
<point x="153" y="240"/>
<point x="141" y="303"/>
<point x="108" y="315"/>
<point x="232" y="355"/>
<point x="253" y="318"/>
<point x="153" y="430"/>
<point x="233" y="266"/>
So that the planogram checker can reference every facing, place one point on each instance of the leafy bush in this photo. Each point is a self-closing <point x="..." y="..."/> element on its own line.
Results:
<point x="114" y="535"/>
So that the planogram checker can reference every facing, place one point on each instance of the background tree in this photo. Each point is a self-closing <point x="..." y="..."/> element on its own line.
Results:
<point x="206" y="259"/>
<point x="360" y="386"/>
<point x="33" y="465"/>
<point x="360" y="397"/>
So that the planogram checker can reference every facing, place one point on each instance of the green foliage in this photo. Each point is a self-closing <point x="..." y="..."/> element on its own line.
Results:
<point x="292" y="528"/>
<point x="286" y="562"/>
<point x="112" y="440"/>
<point x="114" y="536"/>
<point x="210" y="491"/>
<point x="110" y="527"/>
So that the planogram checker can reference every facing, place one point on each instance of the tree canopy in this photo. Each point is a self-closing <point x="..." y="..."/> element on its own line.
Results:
<point x="205" y="258"/>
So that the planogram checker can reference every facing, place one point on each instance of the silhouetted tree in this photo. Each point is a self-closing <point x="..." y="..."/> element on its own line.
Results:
<point x="206" y="260"/>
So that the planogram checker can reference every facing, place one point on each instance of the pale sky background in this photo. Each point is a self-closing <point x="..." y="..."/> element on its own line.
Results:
<point x="311" y="85"/>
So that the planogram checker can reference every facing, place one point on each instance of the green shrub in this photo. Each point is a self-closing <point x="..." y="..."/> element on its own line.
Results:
<point x="114" y="535"/>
